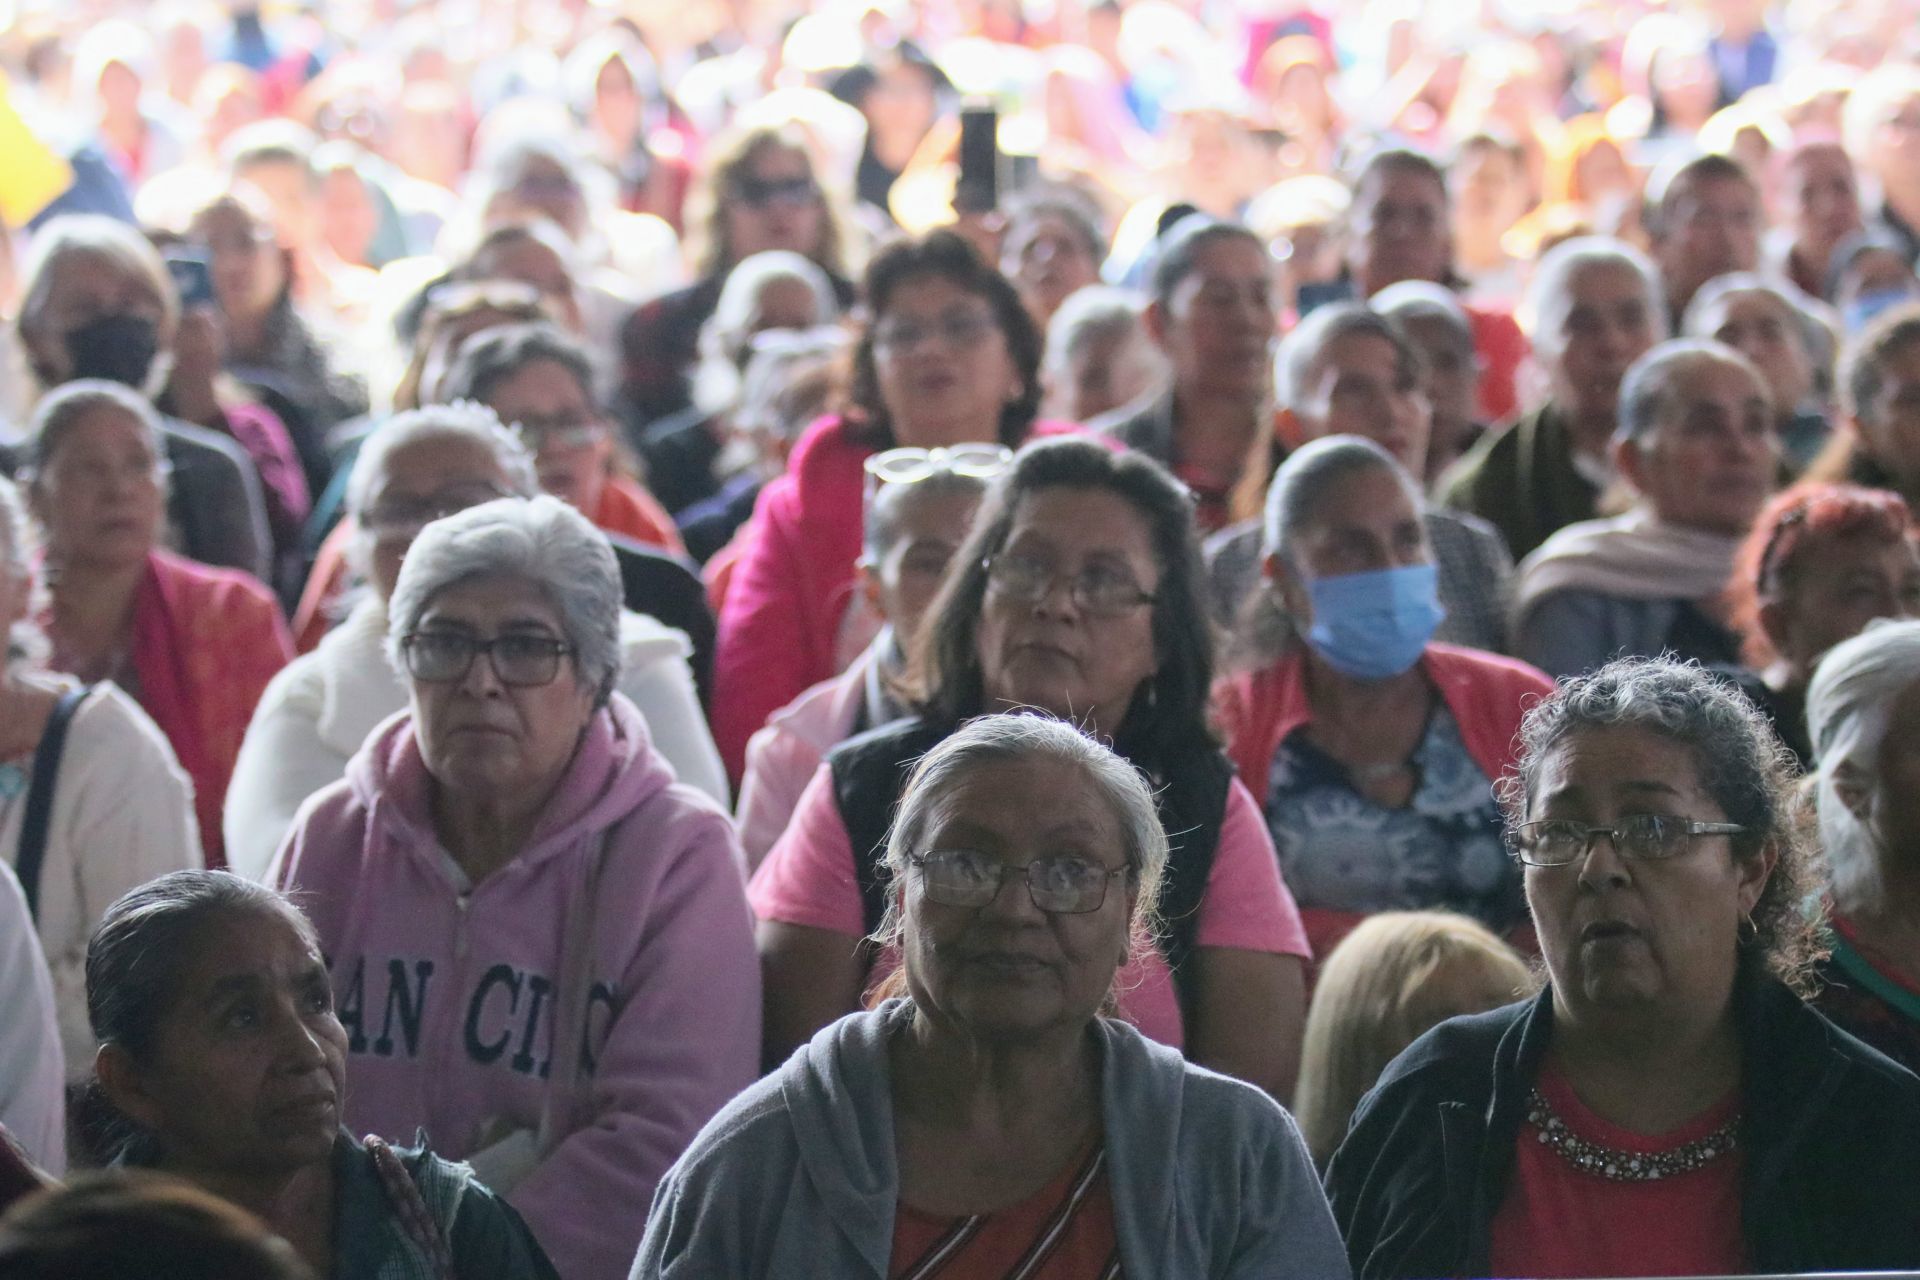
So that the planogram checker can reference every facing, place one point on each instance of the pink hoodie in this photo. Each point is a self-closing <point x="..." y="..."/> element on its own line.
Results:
<point x="644" y="956"/>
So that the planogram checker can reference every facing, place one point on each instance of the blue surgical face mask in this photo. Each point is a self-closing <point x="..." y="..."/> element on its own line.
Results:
<point x="1862" y="310"/>
<point x="1374" y="625"/>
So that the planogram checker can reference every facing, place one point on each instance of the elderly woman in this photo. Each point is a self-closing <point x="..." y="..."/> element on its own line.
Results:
<point x="1861" y="712"/>
<point x="760" y="192"/>
<point x="92" y="801"/>
<point x="1098" y="357"/>
<point x="1051" y="249"/>
<point x="96" y="302"/>
<point x="773" y="290"/>
<point x="315" y="715"/>
<point x="223" y="1062"/>
<point x="1667" y="1105"/>
<point x="1767" y="323"/>
<point x="1078" y="594"/>
<point x="194" y="645"/>
<point x="1699" y="446"/>
<point x="920" y="505"/>
<point x="949" y="357"/>
<point x="539" y="939"/>
<point x="992" y="1117"/>
<point x="1821" y="562"/>
<point x="1372" y="749"/>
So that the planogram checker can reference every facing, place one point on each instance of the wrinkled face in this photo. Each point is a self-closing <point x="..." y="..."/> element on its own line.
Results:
<point x="480" y="736"/>
<point x="1008" y="970"/>
<point x="571" y="442"/>
<point x="1836" y="587"/>
<point x="1713" y="228"/>
<point x="1362" y="386"/>
<point x="1710" y="462"/>
<point x="1363" y="522"/>
<point x="1053" y="653"/>
<point x="1823" y="195"/>
<point x="420" y="482"/>
<point x="944" y="369"/>
<point x="1890" y="425"/>
<point x="1622" y="935"/>
<point x="775" y="204"/>
<point x="1452" y="372"/>
<point x="248" y="1069"/>
<point x="246" y="264"/>
<point x="1766" y="331"/>
<point x="1399" y="230"/>
<point x="101" y="498"/>
<point x="1218" y="326"/>
<point x="84" y="287"/>
<point x="1048" y="261"/>
<point x="928" y="527"/>
<point x="1895" y="815"/>
<point x="1603" y="324"/>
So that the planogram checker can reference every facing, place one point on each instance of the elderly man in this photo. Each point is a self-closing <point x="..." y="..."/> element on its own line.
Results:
<point x="1766" y="323"/>
<point x="1822" y="196"/>
<point x="1212" y="313"/>
<point x="1880" y="392"/>
<point x="1699" y="445"/>
<point x="1706" y="222"/>
<point x="1592" y="307"/>
<point x="1347" y="370"/>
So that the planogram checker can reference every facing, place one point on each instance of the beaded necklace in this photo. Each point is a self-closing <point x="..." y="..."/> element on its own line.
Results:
<point x="1627" y="1166"/>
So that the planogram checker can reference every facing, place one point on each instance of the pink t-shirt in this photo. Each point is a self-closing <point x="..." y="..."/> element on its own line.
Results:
<point x="808" y="879"/>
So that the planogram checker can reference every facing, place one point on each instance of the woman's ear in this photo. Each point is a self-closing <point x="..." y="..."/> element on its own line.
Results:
<point x="1753" y="875"/>
<point x="1286" y="588"/>
<point x="119" y="1078"/>
<point x="1855" y="790"/>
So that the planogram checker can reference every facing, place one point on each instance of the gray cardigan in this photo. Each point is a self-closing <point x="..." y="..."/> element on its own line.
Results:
<point x="797" y="1176"/>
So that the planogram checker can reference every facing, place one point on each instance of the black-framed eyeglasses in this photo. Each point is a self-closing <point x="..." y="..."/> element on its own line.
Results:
<point x="1096" y="589"/>
<point x="1647" y="837"/>
<point x="1062" y="885"/>
<point x="521" y="661"/>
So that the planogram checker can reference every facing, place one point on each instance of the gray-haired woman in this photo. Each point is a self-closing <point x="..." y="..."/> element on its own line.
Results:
<point x="1668" y="1105"/>
<point x="416" y="467"/>
<point x="539" y="940"/>
<point x="1863" y="716"/>
<point x="993" y="1114"/>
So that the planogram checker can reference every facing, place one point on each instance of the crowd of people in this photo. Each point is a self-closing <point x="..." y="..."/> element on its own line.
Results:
<point x="557" y="560"/>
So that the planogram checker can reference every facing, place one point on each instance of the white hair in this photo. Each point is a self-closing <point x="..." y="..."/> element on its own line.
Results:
<point x="25" y="641"/>
<point x="1849" y="709"/>
<point x="1549" y="295"/>
<point x="726" y="337"/>
<point x="1087" y="314"/>
<point x="543" y="541"/>
<point x="462" y="420"/>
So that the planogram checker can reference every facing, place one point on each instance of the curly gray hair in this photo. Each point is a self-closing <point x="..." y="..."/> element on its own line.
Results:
<point x="543" y="541"/>
<point x="1741" y="764"/>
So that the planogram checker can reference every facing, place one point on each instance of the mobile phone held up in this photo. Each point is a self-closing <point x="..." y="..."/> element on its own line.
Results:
<point x="978" y="188"/>
<point x="192" y="278"/>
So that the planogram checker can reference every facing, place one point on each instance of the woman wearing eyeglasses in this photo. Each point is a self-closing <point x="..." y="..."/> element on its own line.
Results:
<point x="995" y="1121"/>
<point x="949" y="357"/>
<point x="1078" y="595"/>
<point x="539" y="942"/>
<point x="1668" y="1105"/>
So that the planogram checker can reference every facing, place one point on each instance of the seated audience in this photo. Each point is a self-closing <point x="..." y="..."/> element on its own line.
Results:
<point x="1390" y="981"/>
<point x="1371" y="748"/>
<point x="1870" y="273"/>
<point x="1078" y="594"/>
<point x="223" y="1063"/>
<point x="96" y="303"/>
<point x="1213" y="313"/>
<point x="1346" y="370"/>
<point x="1099" y="357"/>
<point x="193" y="644"/>
<point x="516" y="832"/>
<point x="33" y="1104"/>
<point x="92" y="801"/>
<point x="991" y="1117"/>
<point x="1620" y="1123"/>
<point x="949" y="357"/>
<point x="920" y="505"/>
<point x="772" y="291"/>
<point x="1705" y="221"/>
<point x="1698" y="446"/>
<point x="1592" y="307"/>
<point x="127" y="1225"/>
<point x="314" y="716"/>
<point x="1821" y="562"/>
<point x="1876" y="445"/>
<point x="1768" y="325"/>
<point x="1822" y="195"/>
<point x="1437" y="324"/>
<point x="1051" y="248"/>
<point x="1863" y="713"/>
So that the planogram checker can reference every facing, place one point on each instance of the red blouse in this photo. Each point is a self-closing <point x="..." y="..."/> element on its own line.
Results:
<point x="1560" y="1219"/>
<point x="1064" y="1231"/>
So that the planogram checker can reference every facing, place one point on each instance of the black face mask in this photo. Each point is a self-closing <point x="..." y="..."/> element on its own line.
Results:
<point x="117" y="348"/>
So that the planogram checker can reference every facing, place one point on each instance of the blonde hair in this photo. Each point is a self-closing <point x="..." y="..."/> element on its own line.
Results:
<point x="1379" y="991"/>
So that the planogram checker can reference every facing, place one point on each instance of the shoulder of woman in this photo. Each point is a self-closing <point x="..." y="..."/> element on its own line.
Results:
<point x="213" y="584"/>
<point x="110" y="729"/>
<point x="1492" y="671"/>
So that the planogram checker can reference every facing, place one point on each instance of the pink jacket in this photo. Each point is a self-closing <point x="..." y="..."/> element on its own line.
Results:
<point x="621" y="932"/>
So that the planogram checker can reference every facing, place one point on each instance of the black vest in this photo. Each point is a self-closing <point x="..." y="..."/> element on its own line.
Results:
<point x="870" y="774"/>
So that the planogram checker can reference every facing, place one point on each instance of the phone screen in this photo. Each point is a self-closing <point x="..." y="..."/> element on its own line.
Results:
<point x="192" y="278"/>
<point x="978" y="190"/>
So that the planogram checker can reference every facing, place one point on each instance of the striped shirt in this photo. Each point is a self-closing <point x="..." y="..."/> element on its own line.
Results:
<point x="1064" y="1231"/>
